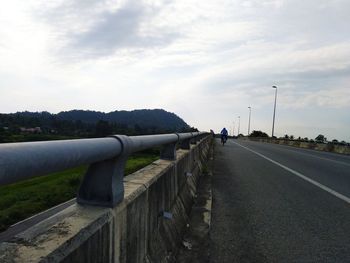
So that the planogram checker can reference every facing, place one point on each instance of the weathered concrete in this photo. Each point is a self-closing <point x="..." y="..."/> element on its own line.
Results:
<point x="195" y="244"/>
<point x="325" y="147"/>
<point x="146" y="227"/>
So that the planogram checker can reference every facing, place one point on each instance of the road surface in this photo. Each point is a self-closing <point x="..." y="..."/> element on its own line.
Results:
<point x="275" y="203"/>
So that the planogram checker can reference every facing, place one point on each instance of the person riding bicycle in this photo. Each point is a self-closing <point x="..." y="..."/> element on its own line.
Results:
<point x="224" y="135"/>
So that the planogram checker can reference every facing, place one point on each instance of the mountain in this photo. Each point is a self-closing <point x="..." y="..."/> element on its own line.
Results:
<point x="143" y="121"/>
<point x="144" y="118"/>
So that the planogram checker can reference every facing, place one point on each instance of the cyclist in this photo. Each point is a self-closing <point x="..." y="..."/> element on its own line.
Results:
<point x="223" y="135"/>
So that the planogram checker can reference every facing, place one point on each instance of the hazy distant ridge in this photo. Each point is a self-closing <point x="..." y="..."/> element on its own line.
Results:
<point x="158" y="118"/>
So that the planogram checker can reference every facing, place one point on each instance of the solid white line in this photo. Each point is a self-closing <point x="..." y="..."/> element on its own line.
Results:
<point x="323" y="187"/>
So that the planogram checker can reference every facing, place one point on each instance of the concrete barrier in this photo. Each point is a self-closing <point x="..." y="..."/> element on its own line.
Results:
<point x="329" y="147"/>
<point x="147" y="226"/>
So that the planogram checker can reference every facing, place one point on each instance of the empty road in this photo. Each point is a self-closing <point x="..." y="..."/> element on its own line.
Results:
<point x="274" y="203"/>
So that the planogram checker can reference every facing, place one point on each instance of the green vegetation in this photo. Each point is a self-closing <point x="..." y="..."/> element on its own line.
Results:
<point x="24" y="199"/>
<point x="8" y="137"/>
<point x="258" y="134"/>
<point x="34" y="126"/>
<point x="320" y="138"/>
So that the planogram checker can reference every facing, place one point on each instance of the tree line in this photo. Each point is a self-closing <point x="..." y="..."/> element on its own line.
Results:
<point x="318" y="139"/>
<point x="20" y="126"/>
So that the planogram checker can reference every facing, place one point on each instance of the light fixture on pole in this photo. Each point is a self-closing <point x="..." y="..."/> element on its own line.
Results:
<point x="250" y="112"/>
<point x="233" y="128"/>
<point x="239" y="124"/>
<point x="274" y="111"/>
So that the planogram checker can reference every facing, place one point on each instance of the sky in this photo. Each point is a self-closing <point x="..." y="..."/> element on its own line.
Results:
<point x="206" y="61"/>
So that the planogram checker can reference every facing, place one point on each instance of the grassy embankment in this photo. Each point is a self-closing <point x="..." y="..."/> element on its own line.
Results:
<point x="21" y="200"/>
<point x="4" y="138"/>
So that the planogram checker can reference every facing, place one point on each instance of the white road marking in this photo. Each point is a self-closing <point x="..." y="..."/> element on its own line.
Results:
<point x="319" y="185"/>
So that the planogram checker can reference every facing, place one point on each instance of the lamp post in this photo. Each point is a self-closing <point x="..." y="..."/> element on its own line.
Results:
<point x="274" y="111"/>
<point x="250" y="112"/>
<point x="239" y="124"/>
<point x="233" y="129"/>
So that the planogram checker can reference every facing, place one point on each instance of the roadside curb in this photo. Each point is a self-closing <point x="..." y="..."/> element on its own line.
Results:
<point x="195" y="245"/>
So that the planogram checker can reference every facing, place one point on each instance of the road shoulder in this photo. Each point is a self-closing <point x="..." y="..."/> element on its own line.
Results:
<point x="195" y="245"/>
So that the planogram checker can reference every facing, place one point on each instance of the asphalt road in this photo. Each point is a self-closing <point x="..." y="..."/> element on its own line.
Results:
<point x="274" y="203"/>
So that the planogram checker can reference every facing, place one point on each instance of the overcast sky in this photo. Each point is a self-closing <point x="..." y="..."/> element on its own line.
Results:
<point x="206" y="61"/>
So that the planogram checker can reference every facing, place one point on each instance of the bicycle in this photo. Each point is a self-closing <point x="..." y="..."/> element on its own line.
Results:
<point x="223" y="139"/>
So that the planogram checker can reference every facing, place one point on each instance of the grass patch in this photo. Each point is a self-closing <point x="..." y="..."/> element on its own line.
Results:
<point x="24" y="199"/>
<point x="33" y="137"/>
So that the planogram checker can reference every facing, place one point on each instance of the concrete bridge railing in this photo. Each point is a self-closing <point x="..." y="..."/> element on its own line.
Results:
<point x="325" y="147"/>
<point x="138" y="218"/>
<point x="103" y="183"/>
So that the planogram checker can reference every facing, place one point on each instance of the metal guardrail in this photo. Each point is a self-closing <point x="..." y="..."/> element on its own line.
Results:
<point x="102" y="184"/>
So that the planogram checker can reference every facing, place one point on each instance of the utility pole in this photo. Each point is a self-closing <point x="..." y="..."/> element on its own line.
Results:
<point x="250" y="112"/>
<point x="274" y="111"/>
<point x="239" y="124"/>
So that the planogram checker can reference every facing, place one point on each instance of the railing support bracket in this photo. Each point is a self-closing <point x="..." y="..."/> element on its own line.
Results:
<point x="186" y="144"/>
<point x="168" y="152"/>
<point x="102" y="184"/>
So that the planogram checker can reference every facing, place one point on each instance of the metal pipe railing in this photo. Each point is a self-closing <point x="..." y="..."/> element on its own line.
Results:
<point x="19" y="161"/>
<point x="143" y="142"/>
<point x="103" y="182"/>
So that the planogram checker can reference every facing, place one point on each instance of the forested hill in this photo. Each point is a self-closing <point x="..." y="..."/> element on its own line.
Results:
<point x="28" y="126"/>
<point x="144" y="118"/>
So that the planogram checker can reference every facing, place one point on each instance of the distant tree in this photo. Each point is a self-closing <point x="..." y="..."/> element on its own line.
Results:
<point x="138" y="129"/>
<point x="184" y="129"/>
<point x="291" y="137"/>
<point x="258" y="134"/>
<point x="193" y="129"/>
<point x="335" y="141"/>
<point x="299" y="138"/>
<point x="103" y="128"/>
<point x="306" y="139"/>
<point x="320" y="138"/>
<point x="15" y="129"/>
<point x="286" y="137"/>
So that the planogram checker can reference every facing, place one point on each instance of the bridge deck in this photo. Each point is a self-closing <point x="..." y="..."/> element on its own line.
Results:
<point x="274" y="203"/>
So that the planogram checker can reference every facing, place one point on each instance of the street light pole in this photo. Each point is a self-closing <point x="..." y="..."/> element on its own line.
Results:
<point x="239" y="124"/>
<point x="274" y="111"/>
<point x="250" y="112"/>
<point x="233" y="129"/>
